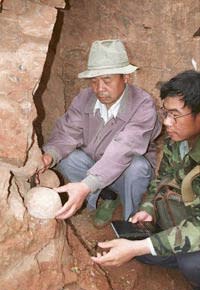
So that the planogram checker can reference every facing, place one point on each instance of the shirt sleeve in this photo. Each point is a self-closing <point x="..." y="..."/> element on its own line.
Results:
<point x="67" y="134"/>
<point x="152" y="250"/>
<point x="93" y="182"/>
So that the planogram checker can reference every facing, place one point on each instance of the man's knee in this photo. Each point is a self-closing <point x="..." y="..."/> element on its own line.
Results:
<point x="75" y="166"/>
<point x="65" y="163"/>
<point x="139" y="166"/>
<point x="74" y="159"/>
<point x="189" y="265"/>
<point x="68" y="165"/>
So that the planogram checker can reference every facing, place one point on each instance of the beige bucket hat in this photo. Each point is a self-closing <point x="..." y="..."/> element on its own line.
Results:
<point x="107" y="57"/>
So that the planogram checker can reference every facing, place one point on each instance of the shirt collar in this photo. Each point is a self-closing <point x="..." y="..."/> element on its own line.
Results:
<point x="107" y="114"/>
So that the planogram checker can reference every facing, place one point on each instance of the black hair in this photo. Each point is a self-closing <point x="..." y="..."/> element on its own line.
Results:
<point x="186" y="85"/>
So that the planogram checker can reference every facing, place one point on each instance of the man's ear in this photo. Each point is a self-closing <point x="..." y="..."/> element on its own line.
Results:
<point x="126" y="78"/>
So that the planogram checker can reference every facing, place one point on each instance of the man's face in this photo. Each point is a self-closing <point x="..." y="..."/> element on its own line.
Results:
<point x="179" y="122"/>
<point x="109" y="88"/>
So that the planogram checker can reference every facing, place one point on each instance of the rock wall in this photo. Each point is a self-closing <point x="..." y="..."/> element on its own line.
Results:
<point x="34" y="253"/>
<point x="162" y="38"/>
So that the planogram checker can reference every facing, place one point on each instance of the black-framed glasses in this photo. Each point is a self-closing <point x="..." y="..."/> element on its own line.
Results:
<point x="173" y="116"/>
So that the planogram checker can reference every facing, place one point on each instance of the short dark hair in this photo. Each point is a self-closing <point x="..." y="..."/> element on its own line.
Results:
<point x="186" y="85"/>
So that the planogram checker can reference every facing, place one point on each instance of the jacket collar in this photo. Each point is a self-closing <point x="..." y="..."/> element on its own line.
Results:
<point x="126" y="106"/>
<point x="195" y="151"/>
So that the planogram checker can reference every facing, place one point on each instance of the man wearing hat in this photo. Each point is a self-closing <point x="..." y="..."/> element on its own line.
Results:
<point x="105" y="142"/>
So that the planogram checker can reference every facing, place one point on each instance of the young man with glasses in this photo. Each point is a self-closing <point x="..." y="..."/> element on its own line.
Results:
<point x="177" y="246"/>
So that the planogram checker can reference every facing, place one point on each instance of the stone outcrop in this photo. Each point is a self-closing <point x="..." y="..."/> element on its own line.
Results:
<point x="34" y="253"/>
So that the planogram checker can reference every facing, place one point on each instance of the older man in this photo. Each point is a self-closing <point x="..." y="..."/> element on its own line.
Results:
<point x="106" y="138"/>
<point x="175" y="246"/>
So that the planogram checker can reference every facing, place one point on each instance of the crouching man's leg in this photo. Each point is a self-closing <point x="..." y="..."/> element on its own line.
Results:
<point x="188" y="264"/>
<point x="74" y="169"/>
<point x="130" y="187"/>
<point x="132" y="184"/>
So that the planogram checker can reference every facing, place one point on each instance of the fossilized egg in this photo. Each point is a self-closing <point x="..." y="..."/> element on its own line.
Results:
<point x="42" y="202"/>
<point x="49" y="179"/>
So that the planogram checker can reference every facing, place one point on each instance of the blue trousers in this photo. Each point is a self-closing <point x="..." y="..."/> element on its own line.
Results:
<point x="188" y="264"/>
<point x="130" y="185"/>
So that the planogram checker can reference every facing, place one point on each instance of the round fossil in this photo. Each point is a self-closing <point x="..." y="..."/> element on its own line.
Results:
<point x="42" y="202"/>
<point x="48" y="179"/>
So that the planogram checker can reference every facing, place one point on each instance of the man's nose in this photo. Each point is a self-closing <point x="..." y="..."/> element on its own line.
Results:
<point x="100" y="86"/>
<point x="168" y="122"/>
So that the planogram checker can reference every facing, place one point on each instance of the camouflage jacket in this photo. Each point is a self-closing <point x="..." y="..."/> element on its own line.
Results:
<point x="175" y="164"/>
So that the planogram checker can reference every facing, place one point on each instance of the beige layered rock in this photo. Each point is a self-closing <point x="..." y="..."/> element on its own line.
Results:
<point x="34" y="252"/>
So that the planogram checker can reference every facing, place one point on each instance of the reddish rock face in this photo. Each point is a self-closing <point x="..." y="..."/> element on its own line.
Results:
<point x="34" y="253"/>
<point x="25" y="30"/>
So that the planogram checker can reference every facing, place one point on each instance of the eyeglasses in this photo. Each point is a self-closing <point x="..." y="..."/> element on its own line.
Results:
<point x="167" y="114"/>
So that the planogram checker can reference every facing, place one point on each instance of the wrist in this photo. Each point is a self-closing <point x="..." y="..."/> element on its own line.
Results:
<point x="93" y="182"/>
<point x="142" y="247"/>
<point x="86" y="188"/>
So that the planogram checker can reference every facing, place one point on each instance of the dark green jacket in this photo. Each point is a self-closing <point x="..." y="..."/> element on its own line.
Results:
<point x="186" y="236"/>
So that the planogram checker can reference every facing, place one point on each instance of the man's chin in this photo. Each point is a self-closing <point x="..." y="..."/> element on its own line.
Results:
<point x="174" y="136"/>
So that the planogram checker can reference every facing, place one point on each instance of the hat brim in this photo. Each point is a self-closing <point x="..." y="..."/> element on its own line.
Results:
<point x="104" y="71"/>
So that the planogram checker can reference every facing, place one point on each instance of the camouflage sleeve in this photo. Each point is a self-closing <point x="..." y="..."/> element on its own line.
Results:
<point x="147" y="205"/>
<point x="183" y="238"/>
<point x="167" y="166"/>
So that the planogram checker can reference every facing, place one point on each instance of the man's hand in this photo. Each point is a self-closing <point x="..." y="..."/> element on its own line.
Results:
<point x="77" y="192"/>
<point x="45" y="164"/>
<point x="141" y="216"/>
<point x="47" y="160"/>
<point x="120" y="251"/>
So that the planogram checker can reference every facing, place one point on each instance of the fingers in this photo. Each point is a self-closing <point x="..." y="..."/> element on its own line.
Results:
<point x="65" y="215"/>
<point x="133" y="219"/>
<point x="105" y="259"/>
<point x="45" y="164"/>
<point x="76" y="196"/>
<point x="102" y="259"/>
<point x="37" y="178"/>
<point x="141" y="216"/>
<point x="47" y="160"/>
<point x="66" y="211"/>
<point x="107" y="244"/>
<point x="61" y="188"/>
<point x="148" y="218"/>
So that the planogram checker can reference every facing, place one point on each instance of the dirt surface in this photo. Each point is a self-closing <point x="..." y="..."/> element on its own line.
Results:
<point x="83" y="237"/>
